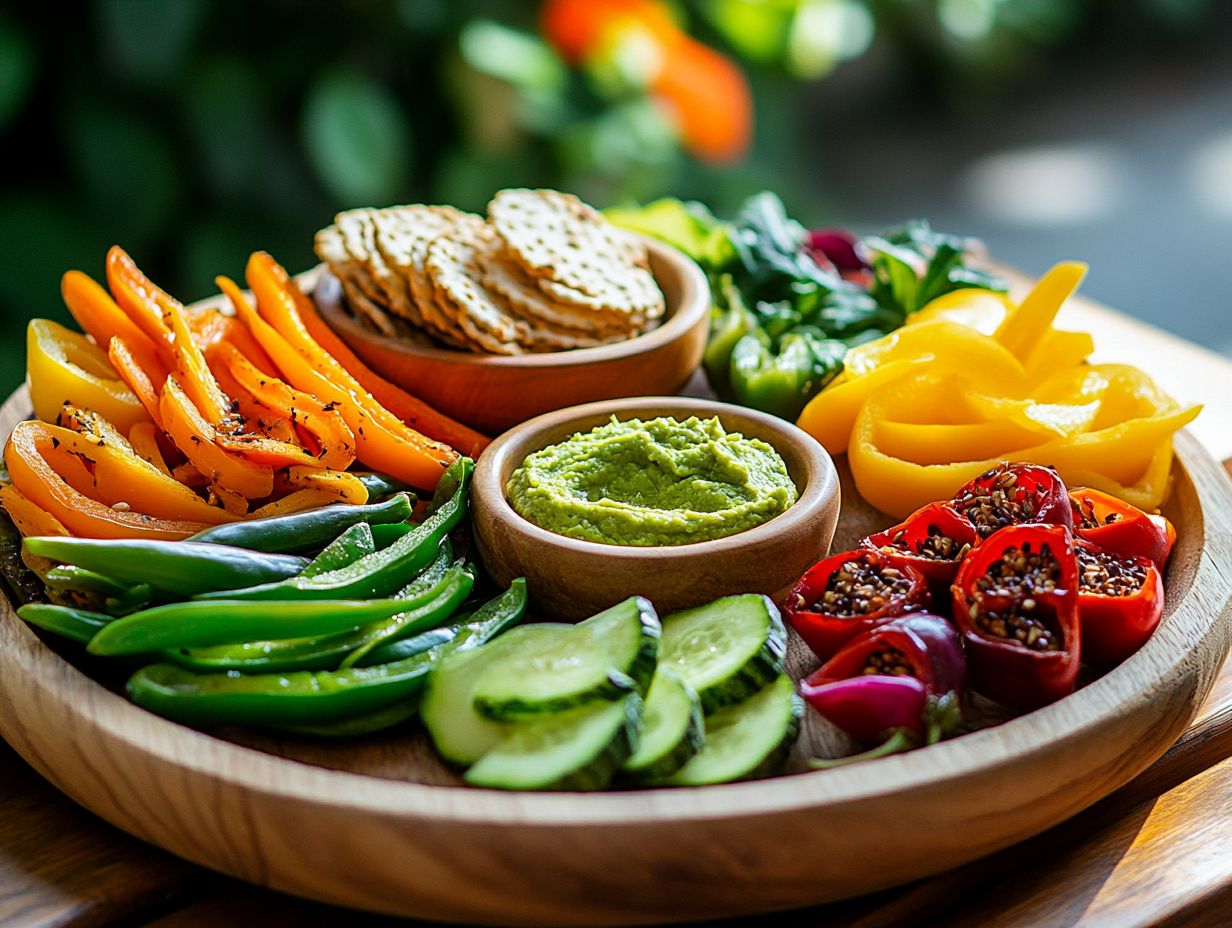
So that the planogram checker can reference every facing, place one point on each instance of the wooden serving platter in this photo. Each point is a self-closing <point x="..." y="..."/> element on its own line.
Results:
<point x="380" y="824"/>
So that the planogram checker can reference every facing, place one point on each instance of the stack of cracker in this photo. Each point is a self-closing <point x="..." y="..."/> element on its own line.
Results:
<point x="543" y="272"/>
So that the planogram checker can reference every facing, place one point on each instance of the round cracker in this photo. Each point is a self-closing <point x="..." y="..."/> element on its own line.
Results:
<point x="453" y="267"/>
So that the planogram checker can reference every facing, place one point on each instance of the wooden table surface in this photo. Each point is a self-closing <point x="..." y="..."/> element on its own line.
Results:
<point x="1157" y="852"/>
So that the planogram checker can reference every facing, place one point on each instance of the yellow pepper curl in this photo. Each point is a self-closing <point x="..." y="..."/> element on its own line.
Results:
<point x="971" y="381"/>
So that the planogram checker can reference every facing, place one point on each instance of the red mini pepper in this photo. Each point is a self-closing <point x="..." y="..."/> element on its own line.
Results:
<point x="1016" y="604"/>
<point x="933" y="540"/>
<point x="850" y="593"/>
<point x="1120" y="602"/>
<point x="1114" y="525"/>
<point x="899" y="684"/>
<point x="1012" y="494"/>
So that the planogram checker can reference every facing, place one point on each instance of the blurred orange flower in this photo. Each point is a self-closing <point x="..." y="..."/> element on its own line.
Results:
<point x="703" y="91"/>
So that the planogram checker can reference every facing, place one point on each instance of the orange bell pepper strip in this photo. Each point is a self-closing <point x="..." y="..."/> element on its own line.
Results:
<point x="233" y="503"/>
<point x="97" y="313"/>
<point x="143" y="437"/>
<point x="284" y="306"/>
<point x="194" y="374"/>
<point x="119" y="475"/>
<point x="419" y="464"/>
<point x="197" y="439"/>
<point x="411" y="410"/>
<point x="144" y="302"/>
<point x="345" y="487"/>
<point x="63" y="366"/>
<point x="136" y="377"/>
<point x="78" y="513"/>
<point x="29" y="518"/>
<point x="211" y="328"/>
<point x="323" y="423"/>
<point x="187" y="474"/>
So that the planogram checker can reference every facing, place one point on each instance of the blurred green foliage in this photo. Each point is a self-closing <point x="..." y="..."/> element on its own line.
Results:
<point x="194" y="132"/>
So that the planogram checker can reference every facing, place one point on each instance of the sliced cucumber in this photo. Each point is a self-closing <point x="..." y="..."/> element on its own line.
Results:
<point x="461" y="734"/>
<point x="726" y="650"/>
<point x="605" y="657"/>
<point x="672" y="729"/>
<point x="580" y="749"/>
<point x="746" y="741"/>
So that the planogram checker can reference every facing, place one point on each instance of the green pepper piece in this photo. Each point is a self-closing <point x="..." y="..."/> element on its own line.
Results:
<point x="347" y="548"/>
<point x="356" y="727"/>
<point x="326" y="652"/>
<point x="782" y="382"/>
<point x="380" y="486"/>
<point x="730" y="321"/>
<point x="303" y="531"/>
<point x="72" y="577"/>
<point x="308" y="698"/>
<point x="75" y="624"/>
<point x="385" y="535"/>
<point x="382" y="572"/>
<point x="183" y="567"/>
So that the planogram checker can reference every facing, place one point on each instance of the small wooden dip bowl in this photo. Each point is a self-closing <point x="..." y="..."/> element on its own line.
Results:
<point x="493" y="392"/>
<point x="571" y="579"/>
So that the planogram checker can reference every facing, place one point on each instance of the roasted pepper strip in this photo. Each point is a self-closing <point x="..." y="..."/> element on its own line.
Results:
<point x="97" y="313"/>
<point x="1116" y="526"/>
<point x="196" y="438"/>
<point x="339" y="486"/>
<point x="184" y="567"/>
<point x="1016" y="604"/>
<point x="143" y="438"/>
<point x="298" y="322"/>
<point x="1120" y="603"/>
<point x="864" y="688"/>
<point x="144" y="302"/>
<point x="81" y="515"/>
<point x="307" y="530"/>
<point x="850" y="593"/>
<point x="933" y="540"/>
<point x="63" y="366"/>
<point x="137" y="377"/>
<point x="29" y="518"/>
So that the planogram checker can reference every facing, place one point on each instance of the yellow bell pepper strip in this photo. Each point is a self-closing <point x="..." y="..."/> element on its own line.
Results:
<point x="63" y="366"/>
<point x="332" y="437"/>
<point x="942" y="443"/>
<point x="419" y="464"/>
<point x="299" y="322"/>
<point x="143" y="437"/>
<point x="137" y="377"/>
<point x="29" y="518"/>
<point x="344" y="487"/>
<point x="1023" y="329"/>
<point x="982" y="310"/>
<point x="118" y="475"/>
<point x="232" y="502"/>
<point x="145" y="303"/>
<point x="81" y="515"/>
<point x="298" y="501"/>
<point x="97" y="313"/>
<point x="197" y="439"/>
<point x="276" y="303"/>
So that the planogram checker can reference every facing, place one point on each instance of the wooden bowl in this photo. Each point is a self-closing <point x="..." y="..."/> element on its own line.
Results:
<point x="572" y="579"/>
<point x="492" y="393"/>
<point x="380" y="824"/>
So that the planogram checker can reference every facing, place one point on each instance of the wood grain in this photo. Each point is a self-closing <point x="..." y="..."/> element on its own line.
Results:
<point x="365" y="840"/>
<point x="571" y="579"/>
<point x="492" y="393"/>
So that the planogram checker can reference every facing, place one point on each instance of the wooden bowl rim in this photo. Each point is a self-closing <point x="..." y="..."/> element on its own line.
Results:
<point x="819" y="476"/>
<point x="1192" y="622"/>
<point x="692" y="306"/>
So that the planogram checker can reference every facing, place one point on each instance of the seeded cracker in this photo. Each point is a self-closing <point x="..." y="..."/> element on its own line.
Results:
<point x="453" y="269"/>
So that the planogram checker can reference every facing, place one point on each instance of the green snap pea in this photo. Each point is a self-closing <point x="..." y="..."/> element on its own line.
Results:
<point x="184" y="567"/>
<point x="75" y="624"/>
<point x="346" y="549"/>
<point x="307" y="698"/>
<point x="438" y="601"/>
<point x="382" y="572"/>
<point x="304" y="531"/>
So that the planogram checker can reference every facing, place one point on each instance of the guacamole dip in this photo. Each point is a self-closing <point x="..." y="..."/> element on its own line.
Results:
<point x="661" y="482"/>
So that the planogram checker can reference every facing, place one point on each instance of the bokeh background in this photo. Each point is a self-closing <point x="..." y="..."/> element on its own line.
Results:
<point x="194" y="131"/>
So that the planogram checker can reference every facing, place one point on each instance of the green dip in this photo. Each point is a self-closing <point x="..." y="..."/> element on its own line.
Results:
<point x="652" y="483"/>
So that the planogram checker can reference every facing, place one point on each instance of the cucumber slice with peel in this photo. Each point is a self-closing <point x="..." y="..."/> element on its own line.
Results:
<point x="746" y="741"/>
<point x="726" y="650"/>
<point x="605" y="657"/>
<point x="672" y="729"/>
<point x="578" y="749"/>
